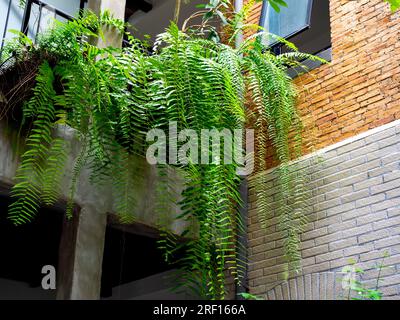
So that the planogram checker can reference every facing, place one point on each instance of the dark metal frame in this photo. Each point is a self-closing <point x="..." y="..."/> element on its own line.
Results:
<point x="41" y="4"/>
<point x="27" y="16"/>
<point x="82" y="4"/>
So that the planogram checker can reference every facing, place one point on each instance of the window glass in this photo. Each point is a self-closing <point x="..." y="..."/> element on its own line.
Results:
<point x="46" y="15"/>
<point x="289" y="21"/>
<point x="11" y="16"/>
<point x="70" y="7"/>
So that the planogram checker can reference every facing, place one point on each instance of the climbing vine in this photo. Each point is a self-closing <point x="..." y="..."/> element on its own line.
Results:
<point x="111" y="97"/>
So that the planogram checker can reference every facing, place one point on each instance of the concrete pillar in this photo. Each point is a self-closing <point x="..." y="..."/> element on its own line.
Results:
<point x="81" y="255"/>
<point x="82" y="241"/>
<point x="117" y="9"/>
<point x="89" y="248"/>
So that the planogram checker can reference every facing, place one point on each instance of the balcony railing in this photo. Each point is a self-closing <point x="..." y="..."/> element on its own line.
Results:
<point x="41" y="13"/>
<point x="34" y="18"/>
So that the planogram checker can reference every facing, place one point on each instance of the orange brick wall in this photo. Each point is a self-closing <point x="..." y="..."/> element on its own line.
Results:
<point x="360" y="89"/>
<point x="255" y="14"/>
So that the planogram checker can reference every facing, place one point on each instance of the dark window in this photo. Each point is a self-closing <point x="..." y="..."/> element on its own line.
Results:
<point x="25" y="249"/>
<point x="306" y="23"/>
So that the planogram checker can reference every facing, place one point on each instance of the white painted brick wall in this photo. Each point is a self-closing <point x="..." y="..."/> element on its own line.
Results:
<point x="354" y="213"/>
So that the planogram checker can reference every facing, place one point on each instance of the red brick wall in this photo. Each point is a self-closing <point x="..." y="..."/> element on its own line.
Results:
<point x="360" y="89"/>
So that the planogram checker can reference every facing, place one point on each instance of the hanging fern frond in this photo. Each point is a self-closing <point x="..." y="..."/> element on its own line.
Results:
<point x="80" y="163"/>
<point x="127" y="176"/>
<point x="273" y="95"/>
<point x="29" y="176"/>
<point x="54" y="171"/>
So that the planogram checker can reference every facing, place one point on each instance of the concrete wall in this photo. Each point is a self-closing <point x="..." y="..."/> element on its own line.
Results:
<point x="84" y="245"/>
<point x="70" y="7"/>
<point x="354" y="213"/>
<point x="88" y="194"/>
<point x="95" y="203"/>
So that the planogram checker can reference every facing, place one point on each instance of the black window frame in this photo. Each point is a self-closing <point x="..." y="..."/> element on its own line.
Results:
<point x="263" y="18"/>
<point x="324" y="52"/>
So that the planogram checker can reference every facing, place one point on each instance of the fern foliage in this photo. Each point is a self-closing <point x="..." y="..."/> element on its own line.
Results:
<point x="112" y="97"/>
<point x="34" y="178"/>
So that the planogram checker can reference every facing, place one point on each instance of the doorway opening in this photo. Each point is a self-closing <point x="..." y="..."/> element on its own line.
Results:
<point x="25" y="250"/>
<point x="134" y="268"/>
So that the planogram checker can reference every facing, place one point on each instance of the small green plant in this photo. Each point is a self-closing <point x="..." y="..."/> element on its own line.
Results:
<point x="249" y="296"/>
<point x="356" y="289"/>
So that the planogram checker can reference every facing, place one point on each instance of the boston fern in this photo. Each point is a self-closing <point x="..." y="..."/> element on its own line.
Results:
<point x="112" y="97"/>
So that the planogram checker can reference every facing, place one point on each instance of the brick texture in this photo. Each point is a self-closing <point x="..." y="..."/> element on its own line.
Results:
<point x="359" y="90"/>
<point x="354" y="212"/>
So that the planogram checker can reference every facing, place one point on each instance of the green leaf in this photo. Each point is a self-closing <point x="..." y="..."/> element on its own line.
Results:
<point x="249" y="296"/>
<point x="394" y="4"/>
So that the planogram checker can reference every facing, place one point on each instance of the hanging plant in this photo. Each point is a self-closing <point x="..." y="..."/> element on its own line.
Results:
<point x="112" y="97"/>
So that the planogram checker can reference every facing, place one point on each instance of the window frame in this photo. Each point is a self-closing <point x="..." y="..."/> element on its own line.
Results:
<point x="263" y="18"/>
<point x="324" y="52"/>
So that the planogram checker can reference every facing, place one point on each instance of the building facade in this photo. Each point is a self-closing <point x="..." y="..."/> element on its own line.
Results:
<point x="351" y="113"/>
<point x="93" y="254"/>
<point x="351" y="110"/>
